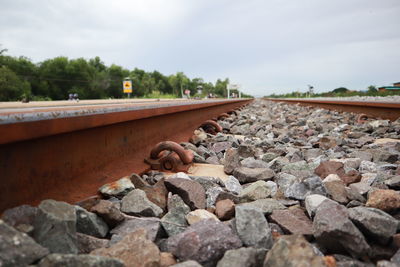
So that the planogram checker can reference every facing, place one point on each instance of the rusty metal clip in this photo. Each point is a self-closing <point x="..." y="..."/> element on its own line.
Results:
<point x="211" y="127"/>
<point x="232" y="111"/>
<point x="223" y="116"/>
<point x="170" y="156"/>
<point x="362" y="118"/>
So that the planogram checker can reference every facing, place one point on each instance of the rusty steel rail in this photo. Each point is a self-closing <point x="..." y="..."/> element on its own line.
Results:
<point x="68" y="154"/>
<point x="383" y="110"/>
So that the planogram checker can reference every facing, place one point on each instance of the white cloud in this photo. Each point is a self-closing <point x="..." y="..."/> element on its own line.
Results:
<point x="268" y="46"/>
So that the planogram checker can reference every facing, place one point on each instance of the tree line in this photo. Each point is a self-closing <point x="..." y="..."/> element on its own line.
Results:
<point x="338" y="92"/>
<point x="56" y="78"/>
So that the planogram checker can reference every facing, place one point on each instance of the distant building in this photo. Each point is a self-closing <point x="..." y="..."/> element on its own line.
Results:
<point x="395" y="87"/>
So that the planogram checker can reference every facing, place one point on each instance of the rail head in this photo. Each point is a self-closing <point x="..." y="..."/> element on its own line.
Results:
<point x="19" y="126"/>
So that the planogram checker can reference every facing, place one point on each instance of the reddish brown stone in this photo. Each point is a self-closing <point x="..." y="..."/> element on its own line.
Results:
<point x="89" y="202"/>
<point x="135" y="250"/>
<point x="293" y="221"/>
<point x="330" y="261"/>
<point x="384" y="199"/>
<point x="396" y="240"/>
<point x="225" y="209"/>
<point x="108" y="212"/>
<point x="191" y="192"/>
<point x="327" y="143"/>
<point x="210" y="209"/>
<point x="157" y="193"/>
<point x="167" y="259"/>
<point x="329" y="167"/>
<point x="350" y="177"/>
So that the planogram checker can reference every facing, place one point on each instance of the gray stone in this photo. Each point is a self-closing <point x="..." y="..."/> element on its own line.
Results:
<point x="293" y="251"/>
<point x="273" y="187"/>
<point x="312" y="202"/>
<point x="246" y="150"/>
<point x="254" y="191"/>
<point x="18" y="249"/>
<point x="137" y="203"/>
<point x="21" y="215"/>
<point x="55" y="227"/>
<point x="385" y="156"/>
<point x="174" y="222"/>
<point x="374" y="223"/>
<point x="242" y="257"/>
<point x="284" y="180"/>
<point x="312" y="153"/>
<point x="221" y="146"/>
<point x="368" y="166"/>
<point x="204" y="242"/>
<point x="253" y="163"/>
<point x="266" y="205"/>
<point x="71" y="260"/>
<point x="333" y="230"/>
<point x="118" y="188"/>
<point x="384" y="263"/>
<point x="206" y="182"/>
<point x="252" y="227"/>
<point x="297" y="190"/>
<point x="361" y="188"/>
<point x="247" y="175"/>
<point x="278" y="163"/>
<point x="212" y="195"/>
<point x="131" y="224"/>
<point x="233" y="185"/>
<point x="89" y="223"/>
<point x="396" y="257"/>
<point x="393" y="182"/>
<point x="189" y="263"/>
<point x="300" y="169"/>
<point x="267" y="157"/>
<point x="87" y="243"/>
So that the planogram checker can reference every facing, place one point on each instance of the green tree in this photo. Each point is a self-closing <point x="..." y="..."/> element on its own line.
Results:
<point x="372" y="89"/>
<point x="11" y="86"/>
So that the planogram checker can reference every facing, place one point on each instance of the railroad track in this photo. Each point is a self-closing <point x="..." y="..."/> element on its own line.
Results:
<point x="66" y="152"/>
<point x="384" y="110"/>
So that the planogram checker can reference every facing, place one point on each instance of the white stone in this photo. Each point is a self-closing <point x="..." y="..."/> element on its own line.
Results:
<point x="233" y="185"/>
<point x="368" y="178"/>
<point x="116" y="188"/>
<point x="368" y="166"/>
<point x="181" y="175"/>
<point x="199" y="215"/>
<point x="312" y="202"/>
<point x="331" y="177"/>
<point x="273" y="186"/>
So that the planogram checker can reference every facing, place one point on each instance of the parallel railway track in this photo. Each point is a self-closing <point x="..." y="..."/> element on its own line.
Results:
<point x="384" y="110"/>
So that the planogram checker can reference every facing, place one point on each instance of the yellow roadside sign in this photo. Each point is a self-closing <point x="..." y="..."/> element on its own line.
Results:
<point x="127" y="85"/>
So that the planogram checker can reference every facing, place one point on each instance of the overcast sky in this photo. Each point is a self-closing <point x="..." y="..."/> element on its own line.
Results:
<point x="267" y="46"/>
